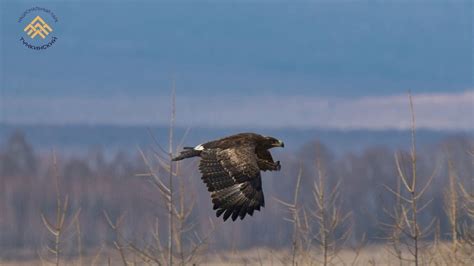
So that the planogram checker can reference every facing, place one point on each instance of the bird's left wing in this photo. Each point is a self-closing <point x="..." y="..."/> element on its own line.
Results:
<point x="233" y="177"/>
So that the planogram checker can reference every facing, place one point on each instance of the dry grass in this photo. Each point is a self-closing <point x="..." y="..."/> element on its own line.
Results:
<point x="369" y="255"/>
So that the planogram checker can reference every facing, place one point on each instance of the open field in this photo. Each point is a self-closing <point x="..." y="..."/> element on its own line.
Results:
<point x="368" y="255"/>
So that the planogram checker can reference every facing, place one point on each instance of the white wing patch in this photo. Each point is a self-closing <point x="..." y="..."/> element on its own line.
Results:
<point x="199" y="147"/>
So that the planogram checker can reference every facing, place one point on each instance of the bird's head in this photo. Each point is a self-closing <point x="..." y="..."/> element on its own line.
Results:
<point x="272" y="142"/>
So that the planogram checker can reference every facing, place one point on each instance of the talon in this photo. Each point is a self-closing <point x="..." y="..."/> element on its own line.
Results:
<point x="278" y="165"/>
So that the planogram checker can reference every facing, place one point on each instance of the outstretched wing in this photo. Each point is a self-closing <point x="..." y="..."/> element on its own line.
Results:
<point x="233" y="177"/>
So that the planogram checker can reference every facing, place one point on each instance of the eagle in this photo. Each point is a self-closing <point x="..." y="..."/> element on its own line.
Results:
<point x="230" y="168"/>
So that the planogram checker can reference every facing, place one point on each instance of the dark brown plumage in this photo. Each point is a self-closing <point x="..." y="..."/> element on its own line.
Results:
<point x="231" y="168"/>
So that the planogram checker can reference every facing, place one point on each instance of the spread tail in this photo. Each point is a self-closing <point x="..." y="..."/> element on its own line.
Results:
<point x="187" y="153"/>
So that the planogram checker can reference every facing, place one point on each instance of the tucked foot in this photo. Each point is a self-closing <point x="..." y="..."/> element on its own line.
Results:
<point x="277" y="165"/>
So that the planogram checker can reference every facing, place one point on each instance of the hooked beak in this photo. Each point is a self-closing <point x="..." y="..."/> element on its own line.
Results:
<point x="281" y="144"/>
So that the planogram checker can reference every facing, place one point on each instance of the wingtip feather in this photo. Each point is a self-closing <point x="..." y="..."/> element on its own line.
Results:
<point x="227" y="214"/>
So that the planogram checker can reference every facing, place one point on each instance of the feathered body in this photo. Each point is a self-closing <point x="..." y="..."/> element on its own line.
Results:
<point x="231" y="168"/>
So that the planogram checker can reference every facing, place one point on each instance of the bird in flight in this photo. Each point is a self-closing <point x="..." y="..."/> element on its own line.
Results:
<point x="231" y="167"/>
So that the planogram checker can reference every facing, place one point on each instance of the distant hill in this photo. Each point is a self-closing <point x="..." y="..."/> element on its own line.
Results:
<point x="111" y="138"/>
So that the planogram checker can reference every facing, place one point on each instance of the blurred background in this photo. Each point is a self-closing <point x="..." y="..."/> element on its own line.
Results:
<point x="330" y="78"/>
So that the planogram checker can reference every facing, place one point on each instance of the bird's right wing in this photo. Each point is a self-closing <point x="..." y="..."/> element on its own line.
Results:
<point x="233" y="178"/>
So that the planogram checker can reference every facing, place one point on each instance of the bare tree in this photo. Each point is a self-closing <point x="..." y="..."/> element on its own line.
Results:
<point x="58" y="228"/>
<point x="406" y="229"/>
<point x="467" y="227"/>
<point x="294" y="210"/>
<point x="325" y="227"/>
<point x="332" y="229"/>
<point x="119" y="238"/>
<point x="183" y="240"/>
<point x="79" y="240"/>
<point x="170" y="174"/>
<point x="452" y="209"/>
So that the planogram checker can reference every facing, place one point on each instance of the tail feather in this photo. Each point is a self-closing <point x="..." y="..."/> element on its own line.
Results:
<point x="187" y="153"/>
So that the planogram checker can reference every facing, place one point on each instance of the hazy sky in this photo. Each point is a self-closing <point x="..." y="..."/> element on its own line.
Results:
<point x="308" y="63"/>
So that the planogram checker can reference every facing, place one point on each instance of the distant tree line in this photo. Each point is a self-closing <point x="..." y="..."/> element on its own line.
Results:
<point x="96" y="183"/>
